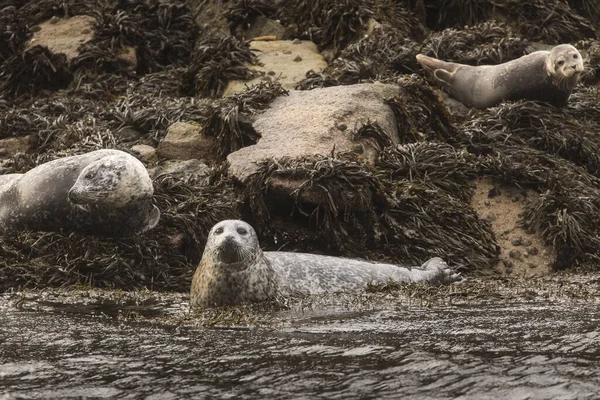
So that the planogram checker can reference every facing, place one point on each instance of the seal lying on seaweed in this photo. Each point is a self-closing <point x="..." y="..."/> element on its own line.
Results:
<point x="235" y="270"/>
<point x="548" y="76"/>
<point x="104" y="192"/>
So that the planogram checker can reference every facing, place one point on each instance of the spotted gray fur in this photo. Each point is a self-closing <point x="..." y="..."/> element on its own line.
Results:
<point x="235" y="270"/>
<point x="103" y="192"/>
<point x="548" y="76"/>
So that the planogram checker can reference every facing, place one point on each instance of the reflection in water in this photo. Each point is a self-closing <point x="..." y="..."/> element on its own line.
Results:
<point x="527" y="350"/>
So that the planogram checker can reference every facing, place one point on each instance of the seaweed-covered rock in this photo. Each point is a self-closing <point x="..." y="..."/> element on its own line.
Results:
<point x="340" y="205"/>
<point x="64" y="36"/>
<point x="314" y="122"/>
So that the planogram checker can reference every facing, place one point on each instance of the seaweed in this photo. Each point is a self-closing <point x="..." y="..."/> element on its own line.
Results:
<point x="488" y="42"/>
<point x="162" y="33"/>
<point x="32" y="71"/>
<point x="35" y="12"/>
<point x="216" y="60"/>
<point x="549" y="21"/>
<point x="420" y="116"/>
<point x="570" y="132"/>
<point x="437" y="164"/>
<point x="13" y="32"/>
<point x="161" y="259"/>
<point x="340" y="205"/>
<point x="327" y="22"/>
<point x="241" y="13"/>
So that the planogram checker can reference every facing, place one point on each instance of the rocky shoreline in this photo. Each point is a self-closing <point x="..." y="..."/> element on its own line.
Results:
<point x="313" y="122"/>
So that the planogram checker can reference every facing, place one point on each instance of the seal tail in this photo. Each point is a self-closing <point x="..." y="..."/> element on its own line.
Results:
<point x="441" y="70"/>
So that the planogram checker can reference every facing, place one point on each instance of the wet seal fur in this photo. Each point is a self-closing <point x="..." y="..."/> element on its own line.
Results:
<point x="235" y="270"/>
<point x="103" y="192"/>
<point x="548" y="76"/>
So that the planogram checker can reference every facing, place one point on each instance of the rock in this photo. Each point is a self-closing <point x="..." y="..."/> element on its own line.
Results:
<point x="306" y="123"/>
<point x="129" y="55"/>
<point x="186" y="141"/>
<point x="11" y="146"/>
<point x="184" y="170"/>
<point x="144" y="151"/>
<point x="64" y="35"/>
<point x="289" y="62"/>
<point x="264" y="27"/>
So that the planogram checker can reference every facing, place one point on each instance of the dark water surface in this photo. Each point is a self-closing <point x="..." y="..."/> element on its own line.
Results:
<point x="523" y="350"/>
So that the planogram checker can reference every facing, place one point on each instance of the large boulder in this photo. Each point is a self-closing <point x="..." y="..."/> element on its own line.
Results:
<point x="282" y="61"/>
<point x="317" y="122"/>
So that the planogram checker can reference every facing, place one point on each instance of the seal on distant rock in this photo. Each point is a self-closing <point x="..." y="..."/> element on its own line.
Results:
<point x="235" y="270"/>
<point x="548" y="76"/>
<point x="103" y="192"/>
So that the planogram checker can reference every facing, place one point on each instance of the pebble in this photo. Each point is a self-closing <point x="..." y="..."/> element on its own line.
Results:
<point x="516" y="254"/>
<point x="298" y="58"/>
<point x="287" y="52"/>
<point x="296" y="41"/>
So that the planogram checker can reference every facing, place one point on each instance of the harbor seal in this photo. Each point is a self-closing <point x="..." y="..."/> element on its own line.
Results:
<point x="103" y="192"/>
<point x="548" y="76"/>
<point x="234" y="270"/>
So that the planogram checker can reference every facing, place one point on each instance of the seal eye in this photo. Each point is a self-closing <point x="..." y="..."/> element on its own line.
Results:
<point x="90" y="175"/>
<point x="560" y="63"/>
<point x="242" y="231"/>
<point x="575" y="56"/>
<point x="218" y="231"/>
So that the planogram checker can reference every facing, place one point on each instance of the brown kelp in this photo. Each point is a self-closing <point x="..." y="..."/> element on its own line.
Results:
<point x="216" y="60"/>
<point x="488" y="42"/>
<point x="550" y="21"/>
<point x="570" y="132"/>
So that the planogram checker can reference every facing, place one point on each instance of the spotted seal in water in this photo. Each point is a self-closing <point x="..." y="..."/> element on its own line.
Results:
<point x="548" y="76"/>
<point x="235" y="270"/>
<point x="103" y="192"/>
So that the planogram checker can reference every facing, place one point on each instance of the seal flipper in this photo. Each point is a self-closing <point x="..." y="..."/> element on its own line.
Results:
<point x="441" y="70"/>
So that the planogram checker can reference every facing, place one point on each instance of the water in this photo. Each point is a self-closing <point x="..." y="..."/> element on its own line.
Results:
<point x="392" y="349"/>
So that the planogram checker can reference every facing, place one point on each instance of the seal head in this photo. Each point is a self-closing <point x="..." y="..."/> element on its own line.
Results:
<point x="233" y="268"/>
<point x="564" y="65"/>
<point x="114" y="181"/>
<point x="232" y="245"/>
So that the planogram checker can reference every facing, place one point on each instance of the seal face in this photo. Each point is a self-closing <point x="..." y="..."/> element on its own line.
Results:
<point x="235" y="270"/>
<point x="104" y="192"/>
<point x="548" y="76"/>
